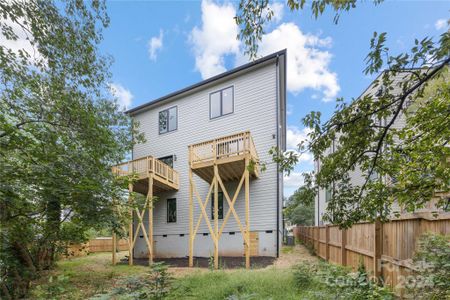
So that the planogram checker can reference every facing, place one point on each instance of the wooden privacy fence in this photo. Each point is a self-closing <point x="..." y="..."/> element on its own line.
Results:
<point x="386" y="249"/>
<point x="103" y="244"/>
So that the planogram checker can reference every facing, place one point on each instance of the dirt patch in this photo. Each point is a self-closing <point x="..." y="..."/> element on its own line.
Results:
<point x="257" y="262"/>
<point x="294" y="256"/>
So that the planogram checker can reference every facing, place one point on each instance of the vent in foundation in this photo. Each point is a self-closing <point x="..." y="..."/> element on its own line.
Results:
<point x="181" y="234"/>
<point x="269" y="231"/>
<point x="205" y="234"/>
<point x="141" y="236"/>
<point x="232" y="233"/>
<point x="164" y="235"/>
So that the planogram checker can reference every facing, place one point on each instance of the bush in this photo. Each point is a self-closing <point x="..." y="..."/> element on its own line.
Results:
<point x="432" y="262"/>
<point x="335" y="282"/>
<point x="155" y="286"/>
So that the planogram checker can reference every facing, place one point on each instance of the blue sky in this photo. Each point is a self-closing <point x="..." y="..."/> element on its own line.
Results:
<point x="161" y="46"/>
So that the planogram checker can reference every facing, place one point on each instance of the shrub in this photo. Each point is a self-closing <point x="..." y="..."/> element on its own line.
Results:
<point x="155" y="286"/>
<point x="432" y="262"/>
<point x="336" y="282"/>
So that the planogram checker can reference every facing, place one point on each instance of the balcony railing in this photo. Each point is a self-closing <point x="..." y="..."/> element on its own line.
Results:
<point x="144" y="166"/>
<point x="225" y="147"/>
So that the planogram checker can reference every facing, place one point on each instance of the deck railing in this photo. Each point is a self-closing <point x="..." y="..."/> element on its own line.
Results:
<point x="228" y="146"/>
<point x="142" y="167"/>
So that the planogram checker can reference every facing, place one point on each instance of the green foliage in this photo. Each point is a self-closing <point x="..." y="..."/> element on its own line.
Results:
<point x="154" y="286"/>
<point x="432" y="261"/>
<point x="55" y="285"/>
<point x="60" y="132"/>
<point x="253" y="15"/>
<point x="398" y="164"/>
<point x="300" y="207"/>
<point x="267" y="283"/>
<point x="326" y="281"/>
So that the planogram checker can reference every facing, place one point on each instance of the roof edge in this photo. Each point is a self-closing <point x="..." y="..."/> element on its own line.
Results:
<point x="135" y="110"/>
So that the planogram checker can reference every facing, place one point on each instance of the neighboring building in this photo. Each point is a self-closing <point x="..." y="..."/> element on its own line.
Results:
<point x="356" y="176"/>
<point x="221" y="121"/>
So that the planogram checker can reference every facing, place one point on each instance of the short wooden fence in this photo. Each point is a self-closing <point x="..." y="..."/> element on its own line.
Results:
<point x="385" y="249"/>
<point x="103" y="244"/>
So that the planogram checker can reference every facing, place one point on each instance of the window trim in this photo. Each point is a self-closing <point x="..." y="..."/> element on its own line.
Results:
<point x="167" y="208"/>
<point x="221" y="102"/>
<point x="212" y="203"/>
<point x="168" y="117"/>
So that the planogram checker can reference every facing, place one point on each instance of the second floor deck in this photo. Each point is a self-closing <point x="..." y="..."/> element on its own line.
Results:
<point x="164" y="177"/>
<point x="229" y="152"/>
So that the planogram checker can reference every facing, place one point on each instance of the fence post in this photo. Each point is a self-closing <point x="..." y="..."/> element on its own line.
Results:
<point x="343" y="244"/>
<point x="377" y="248"/>
<point x="327" y="241"/>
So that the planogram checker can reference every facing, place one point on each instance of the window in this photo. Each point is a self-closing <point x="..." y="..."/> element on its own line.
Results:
<point x="220" y="210"/>
<point x="168" y="120"/>
<point x="168" y="160"/>
<point x="221" y="103"/>
<point x="171" y="210"/>
<point x="328" y="194"/>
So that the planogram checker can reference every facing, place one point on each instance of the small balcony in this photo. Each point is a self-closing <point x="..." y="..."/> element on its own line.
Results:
<point x="164" y="177"/>
<point x="230" y="152"/>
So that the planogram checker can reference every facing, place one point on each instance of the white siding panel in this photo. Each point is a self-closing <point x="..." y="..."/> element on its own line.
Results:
<point x="254" y="110"/>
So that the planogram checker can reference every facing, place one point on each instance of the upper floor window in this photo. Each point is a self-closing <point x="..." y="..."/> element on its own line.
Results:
<point x="328" y="194"/>
<point x="221" y="103"/>
<point x="168" y="120"/>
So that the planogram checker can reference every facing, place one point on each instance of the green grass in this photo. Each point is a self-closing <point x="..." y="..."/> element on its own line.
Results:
<point x="82" y="277"/>
<point x="287" y="249"/>
<point x="241" y="284"/>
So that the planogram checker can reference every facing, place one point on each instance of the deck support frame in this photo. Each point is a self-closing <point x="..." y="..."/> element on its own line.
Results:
<point x="214" y="230"/>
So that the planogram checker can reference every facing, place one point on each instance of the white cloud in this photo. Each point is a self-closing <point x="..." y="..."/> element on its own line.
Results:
<point x="307" y="61"/>
<point x="295" y="136"/>
<point x="289" y="109"/>
<point x="294" y="180"/>
<point x="278" y="11"/>
<point x="154" y="45"/>
<point x="24" y="41"/>
<point x="215" y="39"/>
<point x="440" y="24"/>
<point x="124" y="96"/>
<point x="307" y="65"/>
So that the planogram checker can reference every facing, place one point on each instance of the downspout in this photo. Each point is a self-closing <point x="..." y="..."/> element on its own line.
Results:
<point x="278" y="169"/>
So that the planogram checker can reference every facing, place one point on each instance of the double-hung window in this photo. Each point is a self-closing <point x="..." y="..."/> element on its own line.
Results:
<point x="168" y="120"/>
<point x="221" y="103"/>
<point x="220" y="206"/>
<point x="171" y="210"/>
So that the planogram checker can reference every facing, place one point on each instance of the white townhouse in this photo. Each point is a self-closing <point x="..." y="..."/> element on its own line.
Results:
<point x="201" y="162"/>
<point x="357" y="177"/>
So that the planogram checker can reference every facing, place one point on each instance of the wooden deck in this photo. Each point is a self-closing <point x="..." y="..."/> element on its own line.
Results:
<point x="229" y="152"/>
<point x="164" y="177"/>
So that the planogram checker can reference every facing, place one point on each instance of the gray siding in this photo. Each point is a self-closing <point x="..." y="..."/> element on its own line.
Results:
<point x="255" y="109"/>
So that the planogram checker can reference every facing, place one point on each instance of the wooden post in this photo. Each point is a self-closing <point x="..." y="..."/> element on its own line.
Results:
<point x="327" y="241"/>
<point x="216" y="217"/>
<point x="247" y="214"/>
<point x="377" y="249"/>
<point x="114" y="260"/>
<point x="150" y="218"/>
<point x="343" y="245"/>
<point x="191" y="220"/>
<point x="130" y="248"/>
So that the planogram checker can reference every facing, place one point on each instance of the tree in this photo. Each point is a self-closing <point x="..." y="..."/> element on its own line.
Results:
<point x="411" y="163"/>
<point x="300" y="207"/>
<point x="59" y="134"/>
